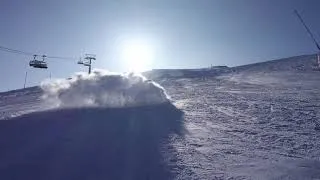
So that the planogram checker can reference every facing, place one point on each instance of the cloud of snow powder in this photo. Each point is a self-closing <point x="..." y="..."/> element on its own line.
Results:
<point x="103" y="89"/>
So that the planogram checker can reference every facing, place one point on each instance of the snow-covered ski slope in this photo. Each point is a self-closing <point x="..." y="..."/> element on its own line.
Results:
<point x="259" y="121"/>
<point x="18" y="102"/>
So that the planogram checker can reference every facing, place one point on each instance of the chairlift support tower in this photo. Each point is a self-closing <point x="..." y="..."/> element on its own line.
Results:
<point x="88" y="62"/>
<point x="311" y="35"/>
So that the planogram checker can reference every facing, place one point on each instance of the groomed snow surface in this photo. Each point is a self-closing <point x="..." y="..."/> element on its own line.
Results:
<point x="259" y="121"/>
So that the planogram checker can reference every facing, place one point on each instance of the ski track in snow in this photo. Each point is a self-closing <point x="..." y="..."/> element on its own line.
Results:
<point x="238" y="126"/>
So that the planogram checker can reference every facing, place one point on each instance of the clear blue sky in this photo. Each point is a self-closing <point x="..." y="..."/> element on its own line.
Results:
<point x="183" y="33"/>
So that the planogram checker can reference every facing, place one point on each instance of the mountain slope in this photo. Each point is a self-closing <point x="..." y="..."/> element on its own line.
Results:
<point x="294" y="71"/>
<point x="305" y="63"/>
<point x="259" y="121"/>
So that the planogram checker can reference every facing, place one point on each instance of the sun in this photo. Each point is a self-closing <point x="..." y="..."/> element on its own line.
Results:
<point x="137" y="55"/>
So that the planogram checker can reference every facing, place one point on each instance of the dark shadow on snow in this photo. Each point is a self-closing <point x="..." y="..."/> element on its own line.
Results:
<point x="89" y="143"/>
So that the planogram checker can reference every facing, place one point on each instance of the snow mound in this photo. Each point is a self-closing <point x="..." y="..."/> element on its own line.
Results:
<point x="103" y="89"/>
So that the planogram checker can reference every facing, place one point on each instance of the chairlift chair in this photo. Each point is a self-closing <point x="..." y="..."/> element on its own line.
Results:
<point x="38" y="64"/>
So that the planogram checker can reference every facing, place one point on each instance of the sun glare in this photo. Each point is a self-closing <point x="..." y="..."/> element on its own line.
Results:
<point x="137" y="56"/>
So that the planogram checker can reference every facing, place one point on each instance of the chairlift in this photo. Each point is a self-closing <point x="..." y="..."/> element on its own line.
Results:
<point x="37" y="63"/>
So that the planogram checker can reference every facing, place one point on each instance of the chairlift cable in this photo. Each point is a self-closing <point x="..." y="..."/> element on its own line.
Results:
<point x="15" y="51"/>
<point x="42" y="63"/>
<point x="2" y="48"/>
<point x="63" y="58"/>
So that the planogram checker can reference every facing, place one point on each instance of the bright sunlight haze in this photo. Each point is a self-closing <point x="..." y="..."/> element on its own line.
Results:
<point x="137" y="55"/>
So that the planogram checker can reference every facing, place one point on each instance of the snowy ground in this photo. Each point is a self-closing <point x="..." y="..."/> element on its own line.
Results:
<point x="18" y="102"/>
<point x="257" y="122"/>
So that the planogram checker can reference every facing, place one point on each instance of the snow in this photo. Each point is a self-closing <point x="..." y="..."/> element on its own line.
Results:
<point x="89" y="143"/>
<point x="259" y="121"/>
<point x="186" y="73"/>
<point x="18" y="102"/>
<point x="103" y="89"/>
